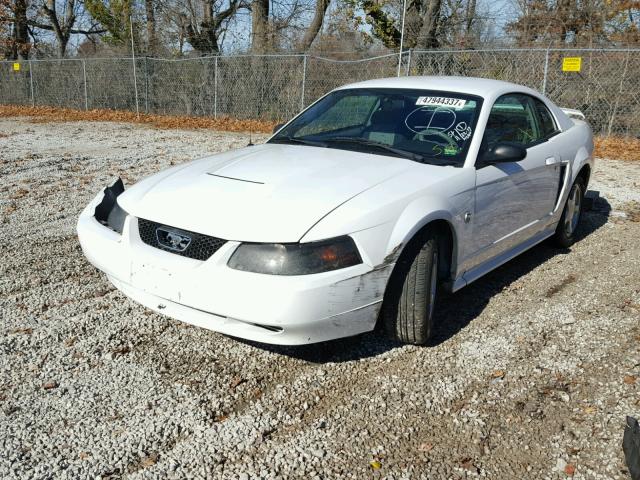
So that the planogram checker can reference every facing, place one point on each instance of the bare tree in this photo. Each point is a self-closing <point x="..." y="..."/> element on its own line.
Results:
<point x="316" y="24"/>
<point x="470" y="17"/>
<point x="259" y="26"/>
<point x="152" y="41"/>
<point x="203" y="23"/>
<point x="62" y="25"/>
<point x="431" y="18"/>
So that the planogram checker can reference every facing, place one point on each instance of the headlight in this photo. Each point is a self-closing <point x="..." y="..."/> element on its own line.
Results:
<point x="296" y="258"/>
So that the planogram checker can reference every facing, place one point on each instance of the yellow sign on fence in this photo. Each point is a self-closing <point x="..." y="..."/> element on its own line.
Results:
<point x="571" y="64"/>
<point x="16" y="67"/>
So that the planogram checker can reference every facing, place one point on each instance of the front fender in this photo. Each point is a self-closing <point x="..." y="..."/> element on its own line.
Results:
<point x="428" y="209"/>
<point x="384" y="218"/>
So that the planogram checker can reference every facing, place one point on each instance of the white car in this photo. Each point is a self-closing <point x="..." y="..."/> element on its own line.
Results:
<point x="354" y="214"/>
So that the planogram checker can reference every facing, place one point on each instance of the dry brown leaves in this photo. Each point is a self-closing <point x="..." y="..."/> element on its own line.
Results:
<point x="619" y="148"/>
<point x="53" y="114"/>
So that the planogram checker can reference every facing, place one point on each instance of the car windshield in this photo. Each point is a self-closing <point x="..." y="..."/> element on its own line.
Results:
<point x="422" y="125"/>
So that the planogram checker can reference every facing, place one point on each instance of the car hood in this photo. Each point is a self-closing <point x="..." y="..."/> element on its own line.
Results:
<point x="264" y="193"/>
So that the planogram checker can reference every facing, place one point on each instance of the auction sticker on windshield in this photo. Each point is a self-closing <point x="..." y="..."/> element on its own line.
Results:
<point x="441" y="101"/>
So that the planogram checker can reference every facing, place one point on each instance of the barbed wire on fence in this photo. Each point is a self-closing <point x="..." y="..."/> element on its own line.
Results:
<point x="276" y="87"/>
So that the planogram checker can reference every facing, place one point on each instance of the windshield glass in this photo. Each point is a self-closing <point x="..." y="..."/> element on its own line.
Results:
<point x="422" y="125"/>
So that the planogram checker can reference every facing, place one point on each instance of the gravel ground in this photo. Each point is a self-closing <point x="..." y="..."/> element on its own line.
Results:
<point x="531" y="373"/>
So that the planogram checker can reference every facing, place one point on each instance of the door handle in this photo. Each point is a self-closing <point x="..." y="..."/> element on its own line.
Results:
<point x="551" y="161"/>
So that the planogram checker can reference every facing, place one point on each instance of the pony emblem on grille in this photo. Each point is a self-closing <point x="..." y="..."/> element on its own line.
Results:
<point x="175" y="241"/>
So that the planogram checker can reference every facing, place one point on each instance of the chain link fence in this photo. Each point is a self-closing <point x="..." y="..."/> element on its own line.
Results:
<point x="276" y="87"/>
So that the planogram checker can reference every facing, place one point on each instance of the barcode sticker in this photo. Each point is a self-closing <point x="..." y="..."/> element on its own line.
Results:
<point x="441" y="102"/>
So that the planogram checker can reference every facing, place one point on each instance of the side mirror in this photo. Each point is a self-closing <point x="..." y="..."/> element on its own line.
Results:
<point x="504" y="153"/>
<point x="278" y="127"/>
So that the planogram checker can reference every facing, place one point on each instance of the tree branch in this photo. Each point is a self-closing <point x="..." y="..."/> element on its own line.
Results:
<point x="74" y="31"/>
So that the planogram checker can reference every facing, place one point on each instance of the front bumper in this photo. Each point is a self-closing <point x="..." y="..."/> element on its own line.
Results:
<point x="286" y="310"/>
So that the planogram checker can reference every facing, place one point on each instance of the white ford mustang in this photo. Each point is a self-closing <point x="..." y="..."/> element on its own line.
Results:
<point x="354" y="214"/>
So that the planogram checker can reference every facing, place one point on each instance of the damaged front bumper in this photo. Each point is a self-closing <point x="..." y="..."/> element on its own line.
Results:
<point x="286" y="310"/>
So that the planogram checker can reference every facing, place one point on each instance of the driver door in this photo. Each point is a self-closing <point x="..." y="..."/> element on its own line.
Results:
<point x="513" y="200"/>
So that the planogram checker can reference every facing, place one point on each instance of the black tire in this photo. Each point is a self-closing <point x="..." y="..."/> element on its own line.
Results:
<point x="410" y="298"/>
<point x="569" y="222"/>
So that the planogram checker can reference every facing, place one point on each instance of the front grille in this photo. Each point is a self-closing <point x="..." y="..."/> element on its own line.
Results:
<point x="201" y="246"/>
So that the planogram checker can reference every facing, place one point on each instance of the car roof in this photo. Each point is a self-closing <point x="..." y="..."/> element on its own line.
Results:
<point x="483" y="87"/>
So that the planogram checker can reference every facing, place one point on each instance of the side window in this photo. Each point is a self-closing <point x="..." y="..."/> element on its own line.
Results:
<point x="547" y="123"/>
<point x="347" y="112"/>
<point x="512" y="119"/>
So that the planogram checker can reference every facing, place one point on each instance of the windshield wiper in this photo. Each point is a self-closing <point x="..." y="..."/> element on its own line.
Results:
<point x="302" y="141"/>
<point x="370" y="143"/>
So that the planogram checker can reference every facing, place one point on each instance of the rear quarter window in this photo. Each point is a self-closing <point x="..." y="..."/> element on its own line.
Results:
<point x="547" y="122"/>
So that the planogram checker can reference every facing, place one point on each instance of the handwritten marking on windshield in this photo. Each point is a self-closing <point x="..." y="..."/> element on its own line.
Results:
<point x="440" y="118"/>
<point x="461" y="132"/>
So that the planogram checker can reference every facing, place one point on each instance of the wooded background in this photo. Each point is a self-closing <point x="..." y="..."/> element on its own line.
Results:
<point x="340" y="28"/>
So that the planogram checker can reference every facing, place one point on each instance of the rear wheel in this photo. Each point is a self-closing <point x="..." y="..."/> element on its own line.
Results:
<point x="411" y="297"/>
<point x="571" y="215"/>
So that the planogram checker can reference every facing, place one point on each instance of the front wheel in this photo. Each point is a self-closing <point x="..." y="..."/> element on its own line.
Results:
<point x="571" y="215"/>
<point x="410" y="299"/>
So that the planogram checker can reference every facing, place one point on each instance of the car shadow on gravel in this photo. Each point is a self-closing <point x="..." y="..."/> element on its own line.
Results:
<point x="341" y="350"/>
<point x="454" y="312"/>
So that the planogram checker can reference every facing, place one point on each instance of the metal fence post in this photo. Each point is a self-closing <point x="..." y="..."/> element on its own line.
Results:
<point x="620" y="93"/>
<point x="146" y="85"/>
<point x="546" y="72"/>
<point x="408" y="64"/>
<point x="304" y="80"/>
<point x="215" y="87"/>
<point x="33" y="100"/>
<point x="84" y="75"/>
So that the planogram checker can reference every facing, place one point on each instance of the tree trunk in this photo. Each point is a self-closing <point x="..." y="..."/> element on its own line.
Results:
<point x="413" y="23"/>
<point x="428" y="35"/>
<point x="205" y="38"/>
<point x="259" y="26"/>
<point x="315" y="25"/>
<point x="152" y="43"/>
<point x="21" y="44"/>
<point x="470" y="15"/>
<point x="61" y="28"/>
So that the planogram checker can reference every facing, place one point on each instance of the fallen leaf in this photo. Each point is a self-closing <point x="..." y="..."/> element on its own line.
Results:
<point x="570" y="469"/>
<point x="236" y="382"/>
<point x="375" y="464"/>
<point x="50" y="385"/>
<point x="122" y="350"/>
<point x="467" y="464"/>
<point x="629" y="379"/>
<point x="498" y="374"/>
<point x="83" y="455"/>
<point x="425" y="447"/>
<point x="24" y="331"/>
<point x="149" y="460"/>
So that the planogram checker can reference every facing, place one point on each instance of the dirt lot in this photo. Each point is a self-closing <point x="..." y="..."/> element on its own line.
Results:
<point x="531" y="374"/>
